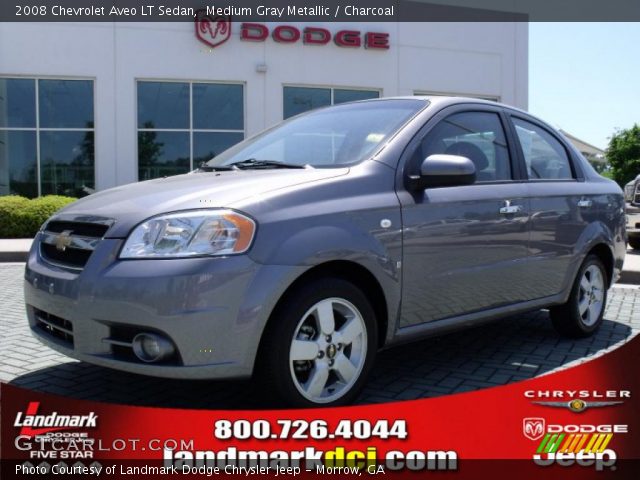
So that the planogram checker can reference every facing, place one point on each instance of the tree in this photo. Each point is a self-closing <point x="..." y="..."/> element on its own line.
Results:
<point x="623" y="154"/>
<point x="598" y="166"/>
<point x="149" y="150"/>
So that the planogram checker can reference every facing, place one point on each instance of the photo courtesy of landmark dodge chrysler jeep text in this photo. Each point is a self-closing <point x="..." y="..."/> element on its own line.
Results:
<point x="297" y="254"/>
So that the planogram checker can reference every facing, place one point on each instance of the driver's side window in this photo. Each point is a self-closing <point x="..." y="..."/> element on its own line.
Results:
<point x="479" y="136"/>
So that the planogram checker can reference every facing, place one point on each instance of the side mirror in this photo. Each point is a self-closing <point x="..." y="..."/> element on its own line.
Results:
<point x="442" y="170"/>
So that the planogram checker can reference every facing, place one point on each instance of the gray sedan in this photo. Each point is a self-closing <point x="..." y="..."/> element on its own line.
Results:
<point x="299" y="253"/>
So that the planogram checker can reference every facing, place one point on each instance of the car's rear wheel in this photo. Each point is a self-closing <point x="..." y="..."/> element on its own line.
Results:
<point x="320" y="345"/>
<point x="634" y="242"/>
<point x="582" y="314"/>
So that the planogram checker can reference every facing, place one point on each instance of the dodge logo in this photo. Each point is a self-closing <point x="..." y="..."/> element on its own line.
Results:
<point x="212" y="30"/>
<point x="533" y="428"/>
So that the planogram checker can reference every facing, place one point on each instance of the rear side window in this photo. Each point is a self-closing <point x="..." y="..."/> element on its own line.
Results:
<point x="544" y="155"/>
<point x="478" y="136"/>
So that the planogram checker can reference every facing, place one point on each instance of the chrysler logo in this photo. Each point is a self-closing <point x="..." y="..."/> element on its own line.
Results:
<point x="63" y="240"/>
<point x="577" y="405"/>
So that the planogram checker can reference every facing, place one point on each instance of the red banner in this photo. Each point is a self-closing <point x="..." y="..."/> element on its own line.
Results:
<point x="582" y="421"/>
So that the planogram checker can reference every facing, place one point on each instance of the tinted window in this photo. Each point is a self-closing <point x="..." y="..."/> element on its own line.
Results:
<point x="18" y="163"/>
<point x="162" y="154"/>
<point x="207" y="145"/>
<point x="182" y="124"/>
<point x="341" y="95"/>
<point x="66" y="103"/>
<point x="163" y="105"/>
<point x="478" y="136"/>
<point x="217" y="106"/>
<point x="66" y="163"/>
<point x="544" y="155"/>
<point x="55" y="139"/>
<point x="301" y="99"/>
<point x="17" y="103"/>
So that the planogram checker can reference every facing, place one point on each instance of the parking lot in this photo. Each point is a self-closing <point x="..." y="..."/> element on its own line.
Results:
<point x="509" y="350"/>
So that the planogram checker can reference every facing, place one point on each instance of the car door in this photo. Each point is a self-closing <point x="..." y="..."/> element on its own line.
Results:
<point x="560" y="201"/>
<point x="464" y="247"/>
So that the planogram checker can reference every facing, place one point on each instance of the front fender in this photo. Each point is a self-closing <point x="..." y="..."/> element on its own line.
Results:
<point x="353" y="218"/>
<point x="355" y="238"/>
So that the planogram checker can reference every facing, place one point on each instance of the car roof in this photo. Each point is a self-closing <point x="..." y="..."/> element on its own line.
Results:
<point x="444" y="101"/>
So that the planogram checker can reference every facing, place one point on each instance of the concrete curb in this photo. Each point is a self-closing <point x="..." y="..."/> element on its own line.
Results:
<point x="14" y="249"/>
<point x="631" y="277"/>
<point x="10" y="257"/>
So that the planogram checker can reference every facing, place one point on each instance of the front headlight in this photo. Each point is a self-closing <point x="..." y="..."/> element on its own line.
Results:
<point x="191" y="233"/>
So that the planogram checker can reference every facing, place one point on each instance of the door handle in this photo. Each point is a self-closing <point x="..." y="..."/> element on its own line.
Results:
<point x="509" y="209"/>
<point x="584" y="203"/>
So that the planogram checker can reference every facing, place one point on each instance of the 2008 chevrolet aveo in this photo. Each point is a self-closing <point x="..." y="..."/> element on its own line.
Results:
<point x="298" y="253"/>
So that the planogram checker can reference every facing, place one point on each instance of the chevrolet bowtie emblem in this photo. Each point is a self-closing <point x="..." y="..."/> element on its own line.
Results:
<point x="577" y="405"/>
<point x="63" y="240"/>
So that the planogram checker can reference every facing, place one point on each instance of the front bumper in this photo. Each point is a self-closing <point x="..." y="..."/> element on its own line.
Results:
<point x="212" y="309"/>
<point x="633" y="220"/>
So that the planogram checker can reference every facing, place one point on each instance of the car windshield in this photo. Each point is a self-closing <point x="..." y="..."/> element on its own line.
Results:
<point x="330" y="137"/>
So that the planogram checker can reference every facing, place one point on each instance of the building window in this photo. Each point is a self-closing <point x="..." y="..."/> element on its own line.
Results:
<point x="182" y="124"/>
<point x="302" y="99"/>
<point x="46" y="137"/>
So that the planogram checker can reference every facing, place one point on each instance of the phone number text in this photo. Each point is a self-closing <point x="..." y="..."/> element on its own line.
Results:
<point x="304" y="429"/>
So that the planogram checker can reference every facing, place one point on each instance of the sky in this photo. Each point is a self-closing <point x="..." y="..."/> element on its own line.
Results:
<point x="585" y="77"/>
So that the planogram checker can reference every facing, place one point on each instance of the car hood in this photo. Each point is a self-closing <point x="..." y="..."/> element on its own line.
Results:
<point x="130" y="204"/>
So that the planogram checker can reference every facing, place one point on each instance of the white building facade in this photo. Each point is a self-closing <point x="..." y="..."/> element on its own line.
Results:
<point x="88" y="106"/>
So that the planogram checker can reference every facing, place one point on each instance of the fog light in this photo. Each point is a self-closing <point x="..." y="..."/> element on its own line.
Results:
<point x="150" y="347"/>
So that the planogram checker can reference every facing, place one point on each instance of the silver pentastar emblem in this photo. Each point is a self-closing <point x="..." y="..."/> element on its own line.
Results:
<point x="577" y="405"/>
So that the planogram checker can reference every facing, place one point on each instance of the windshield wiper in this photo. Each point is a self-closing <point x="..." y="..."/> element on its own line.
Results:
<point x="255" y="163"/>
<point x="205" y="167"/>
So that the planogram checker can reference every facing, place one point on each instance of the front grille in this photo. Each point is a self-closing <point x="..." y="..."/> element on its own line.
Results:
<point x="120" y="340"/>
<point x="54" y="326"/>
<point x="82" y="229"/>
<point x="73" y="257"/>
<point x="70" y="243"/>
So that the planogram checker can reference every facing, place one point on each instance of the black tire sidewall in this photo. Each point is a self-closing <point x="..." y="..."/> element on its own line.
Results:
<point x="283" y="326"/>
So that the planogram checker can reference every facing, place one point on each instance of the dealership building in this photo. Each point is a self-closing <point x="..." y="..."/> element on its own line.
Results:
<point x="88" y="106"/>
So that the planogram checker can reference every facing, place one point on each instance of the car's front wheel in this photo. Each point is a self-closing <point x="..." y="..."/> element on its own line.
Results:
<point x="582" y="314"/>
<point x="320" y="345"/>
<point x="634" y="242"/>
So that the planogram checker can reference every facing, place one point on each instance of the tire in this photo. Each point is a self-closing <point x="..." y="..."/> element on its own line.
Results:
<point x="634" y="242"/>
<point x="582" y="315"/>
<point x="302" y="358"/>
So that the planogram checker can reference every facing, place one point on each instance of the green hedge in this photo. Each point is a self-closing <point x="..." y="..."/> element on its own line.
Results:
<point x="21" y="217"/>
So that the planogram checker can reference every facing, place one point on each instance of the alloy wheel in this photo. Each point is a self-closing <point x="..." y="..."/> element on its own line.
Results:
<point x="590" y="302"/>
<point x="328" y="350"/>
